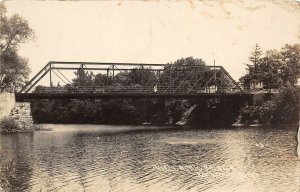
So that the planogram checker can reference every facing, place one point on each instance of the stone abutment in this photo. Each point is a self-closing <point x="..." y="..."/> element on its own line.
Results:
<point x="20" y="112"/>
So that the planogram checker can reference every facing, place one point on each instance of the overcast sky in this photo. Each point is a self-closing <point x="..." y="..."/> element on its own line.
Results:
<point x="156" y="31"/>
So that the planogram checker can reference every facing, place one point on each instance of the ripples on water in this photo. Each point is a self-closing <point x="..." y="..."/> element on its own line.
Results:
<point x="118" y="158"/>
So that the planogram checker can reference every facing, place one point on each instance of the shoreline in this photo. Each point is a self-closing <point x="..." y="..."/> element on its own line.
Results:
<point x="45" y="127"/>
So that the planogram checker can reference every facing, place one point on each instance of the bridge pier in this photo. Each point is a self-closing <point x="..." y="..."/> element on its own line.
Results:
<point x="145" y="110"/>
<point x="157" y="107"/>
<point x="218" y="111"/>
<point x="164" y="112"/>
<point x="20" y="112"/>
<point x="7" y="103"/>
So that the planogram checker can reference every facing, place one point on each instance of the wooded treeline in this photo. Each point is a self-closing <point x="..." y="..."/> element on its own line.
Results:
<point x="278" y="70"/>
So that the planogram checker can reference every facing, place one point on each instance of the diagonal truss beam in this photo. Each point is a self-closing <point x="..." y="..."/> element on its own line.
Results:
<point x="36" y="78"/>
<point x="35" y="82"/>
<point x="234" y="82"/>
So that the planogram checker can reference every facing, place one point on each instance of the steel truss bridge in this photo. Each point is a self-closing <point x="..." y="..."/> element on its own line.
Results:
<point x="132" y="80"/>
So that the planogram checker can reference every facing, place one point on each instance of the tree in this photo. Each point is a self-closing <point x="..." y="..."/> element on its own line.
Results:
<point x="290" y="57"/>
<point x="122" y="78"/>
<point x="269" y="70"/>
<point x="179" y="72"/>
<point x="83" y="78"/>
<point x="14" y="31"/>
<point x="256" y="55"/>
<point x="276" y="68"/>
<point x="287" y="107"/>
<point x="254" y="71"/>
<point x="13" y="71"/>
<point x="137" y="76"/>
<point x="102" y="80"/>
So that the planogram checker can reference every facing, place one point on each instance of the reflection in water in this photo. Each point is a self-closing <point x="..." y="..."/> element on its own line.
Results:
<point x="114" y="158"/>
<point x="16" y="147"/>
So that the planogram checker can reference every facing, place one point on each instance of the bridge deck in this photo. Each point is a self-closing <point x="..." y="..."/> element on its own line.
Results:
<point x="26" y="96"/>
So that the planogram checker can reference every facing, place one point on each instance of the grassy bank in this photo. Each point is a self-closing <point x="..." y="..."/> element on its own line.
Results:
<point x="9" y="125"/>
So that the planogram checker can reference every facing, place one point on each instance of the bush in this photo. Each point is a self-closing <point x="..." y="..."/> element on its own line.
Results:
<point x="281" y="109"/>
<point x="8" y="125"/>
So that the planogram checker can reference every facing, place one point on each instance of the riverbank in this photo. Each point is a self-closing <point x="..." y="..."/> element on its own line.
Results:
<point x="12" y="125"/>
<point x="9" y="125"/>
<point x="150" y="128"/>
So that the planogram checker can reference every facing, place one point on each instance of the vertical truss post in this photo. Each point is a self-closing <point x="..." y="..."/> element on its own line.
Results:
<point x="142" y="76"/>
<point x="170" y="79"/>
<point x="113" y="68"/>
<point x="158" y="76"/>
<point x="81" y="71"/>
<point x="215" y="75"/>
<point x="51" y="84"/>
<point x="196" y="77"/>
<point x="221" y="79"/>
<point x="205" y="79"/>
<point x="107" y="76"/>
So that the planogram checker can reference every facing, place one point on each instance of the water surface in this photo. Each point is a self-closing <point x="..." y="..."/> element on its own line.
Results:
<point x="130" y="158"/>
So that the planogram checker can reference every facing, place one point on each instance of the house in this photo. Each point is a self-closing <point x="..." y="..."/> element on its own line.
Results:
<point x="256" y="85"/>
<point x="211" y="89"/>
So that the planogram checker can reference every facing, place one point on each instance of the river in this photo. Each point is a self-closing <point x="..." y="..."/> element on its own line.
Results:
<point x="137" y="158"/>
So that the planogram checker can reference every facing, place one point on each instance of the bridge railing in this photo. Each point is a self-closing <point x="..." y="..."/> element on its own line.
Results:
<point x="129" y="90"/>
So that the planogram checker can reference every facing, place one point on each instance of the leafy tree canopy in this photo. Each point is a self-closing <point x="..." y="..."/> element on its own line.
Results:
<point x="14" y="70"/>
<point x="83" y="78"/>
<point x="275" y="69"/>
<point x="182" y="76"/>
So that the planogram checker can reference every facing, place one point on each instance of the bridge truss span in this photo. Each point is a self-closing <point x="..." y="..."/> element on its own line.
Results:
<point x="130" y="79"/>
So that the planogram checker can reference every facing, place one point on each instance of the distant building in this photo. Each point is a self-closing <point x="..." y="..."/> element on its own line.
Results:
<point x="255" y="84"/>
<point x="211" y="89"/>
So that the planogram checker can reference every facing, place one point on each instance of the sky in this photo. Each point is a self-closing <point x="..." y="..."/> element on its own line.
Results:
<point x="156" y="31"/>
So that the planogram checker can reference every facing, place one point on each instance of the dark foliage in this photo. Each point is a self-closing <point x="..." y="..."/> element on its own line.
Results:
<point x="278" y="70"/>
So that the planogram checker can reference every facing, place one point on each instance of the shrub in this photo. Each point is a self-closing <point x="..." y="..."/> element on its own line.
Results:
<point x="281" y="109"/>
<point x="8" y="125"/>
